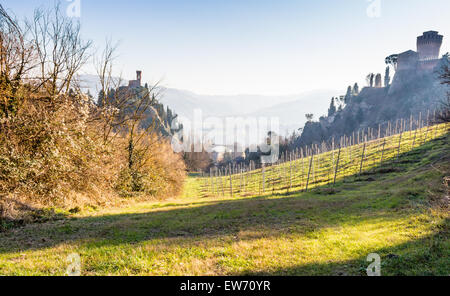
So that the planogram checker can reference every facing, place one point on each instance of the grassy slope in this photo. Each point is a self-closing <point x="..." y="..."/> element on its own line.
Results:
<point x="322" y="232"/>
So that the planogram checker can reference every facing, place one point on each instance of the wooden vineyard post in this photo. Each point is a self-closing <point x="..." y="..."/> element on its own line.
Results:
<point x="382" y="151"/>
<point x="244" y="176"/>
<point x="410" y="125"/>
<point x="344" y="152"/>
<point x="399" y="145"/>
<point x="290" y="172"/>
<point x="280" y="173"/>
<point x="221" y="181"/>
<point x="284" y="182"/>
<point x="351" y="146"/>
<point x="216" y="181"/>
<point x="273" y="179"/>
<point x="349" y="159"/>
<point x="326" y="169"/>
<point x="337" y="165"/>
<point x="428" y="126"/>
<point x="240" y="179"/>
<point x="342" y="158"/>
<point x="250" y="178"/>
<point x="435" y="130"/>
<point x="263" y="169"/>
<point x="435" y="125"/>
<point x="214" y="174"/>
<point x="332" y="148"/>
<point x="319" y="152"/>
<point x="309" y="172"/>
<point x="211" y="180"/>
<point x="303" y="170"/>
<point x="219" y="175"/>
<point x="230" y="172"/>
<point x="379" y="131"/>
<point x="420" y="120"/>
<point x="362" y="158"/>
<point x="313" y="152"/>
<point x="259" y="181"/>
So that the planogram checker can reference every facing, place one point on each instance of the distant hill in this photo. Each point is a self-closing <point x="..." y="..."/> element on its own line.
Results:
<point x="292" y="114"/>
<point x="290" y="109"/>
<point x="238" y="105"/>
<point x="91" y="83"/>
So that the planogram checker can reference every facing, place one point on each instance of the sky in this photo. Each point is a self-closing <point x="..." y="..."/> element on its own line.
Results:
<point x="226" y="47"/>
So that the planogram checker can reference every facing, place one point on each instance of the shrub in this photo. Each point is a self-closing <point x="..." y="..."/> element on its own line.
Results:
<point x="52" y="155"/>
<point x="58" y="148"/>
<point x="156" y="171"/>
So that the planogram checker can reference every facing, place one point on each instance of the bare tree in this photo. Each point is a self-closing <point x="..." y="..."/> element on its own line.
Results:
<point x="61" y="52"/>
<point x="197" y="161"/>
<point x="123" y="110"/>
<point x="15" y="53"/>
<point x="109" y="104"/>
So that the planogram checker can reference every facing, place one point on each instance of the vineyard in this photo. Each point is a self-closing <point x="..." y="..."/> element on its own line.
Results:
<point x="323" y="165"/>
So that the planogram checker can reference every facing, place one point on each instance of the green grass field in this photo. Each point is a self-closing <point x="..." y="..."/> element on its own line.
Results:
<point x="394" y="208"/>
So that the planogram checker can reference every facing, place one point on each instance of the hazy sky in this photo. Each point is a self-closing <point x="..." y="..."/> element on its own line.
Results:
<point x="257" y="46"/>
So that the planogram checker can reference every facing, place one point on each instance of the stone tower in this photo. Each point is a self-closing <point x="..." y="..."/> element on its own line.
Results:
<point x="139" y="76"/>
<point x="429" y="46"/>
<point x="136" y="83"/>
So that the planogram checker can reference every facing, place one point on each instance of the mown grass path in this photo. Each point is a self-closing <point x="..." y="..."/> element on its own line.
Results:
<point x="327" y="231"/>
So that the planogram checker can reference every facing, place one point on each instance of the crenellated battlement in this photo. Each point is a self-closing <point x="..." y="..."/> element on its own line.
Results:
<point x="427" y="56"/>
<point x="429" y="45"/>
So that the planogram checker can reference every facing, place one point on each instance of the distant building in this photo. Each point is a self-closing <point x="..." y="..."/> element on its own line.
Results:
<point x="218" y="153"/>
<point x="234" y="152"/>
<point x="407" y="60"/>
<point x="427" y="55"/>
<point x="429" y="45"/>
<point x="136" y="83"/>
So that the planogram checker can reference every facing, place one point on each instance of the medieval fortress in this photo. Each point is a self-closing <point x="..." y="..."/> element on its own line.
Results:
<point x="427" y="55"/>
<point x="136" y="83"/>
